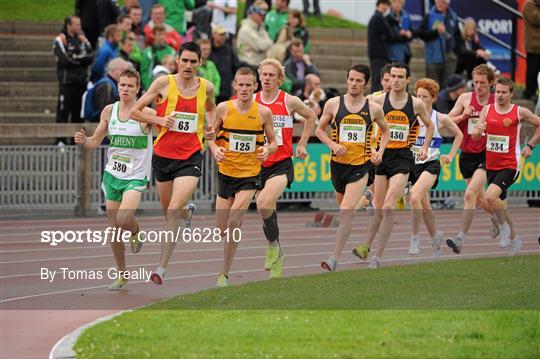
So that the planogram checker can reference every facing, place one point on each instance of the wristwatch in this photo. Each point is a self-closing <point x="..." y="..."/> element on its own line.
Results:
<point x="530" y="146"/>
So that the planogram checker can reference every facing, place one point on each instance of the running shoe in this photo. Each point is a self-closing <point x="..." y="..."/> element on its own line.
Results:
<point x="158" y="276"/>
<point x="277" y="267"/>
<point x="118" y="283"/>
<point x="361" y="251"/>
<point x="515" y="246"/>
<point x="329" y="264"/>
<point x="272" y="254"/>
<point x="505" y="235"/>
<point x="135" y="241"/>
<point x="191" y="207"/>
<point x="222" y="281"/>
<point x="414" y="247"/>
<point x="455" y="244"/>
<point x="494" y="229"/>
<point x="374" y="263"/>
<point x="436" y="243"/>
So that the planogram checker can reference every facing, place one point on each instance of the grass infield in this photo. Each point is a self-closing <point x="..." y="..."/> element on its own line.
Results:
<point x="461" y="308"/>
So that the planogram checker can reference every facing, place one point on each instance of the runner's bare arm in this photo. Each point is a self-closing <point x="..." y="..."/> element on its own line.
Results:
<point x="461" y="111"/>
<point x="99" y="134"/>
<point x="210" y="105"/>
<point x="378" y="117"/>
<point x="526" y="115"/>
<point x="297" y="106"/>
<point x="157" y="90"/>
<point x="220" y="113"/>
<point x="268" y="126"/>
<point x="150" y="111"/>
<point x="480" y="127"/>
<point x="448" y="128"/>
<point x="421" y="110"/>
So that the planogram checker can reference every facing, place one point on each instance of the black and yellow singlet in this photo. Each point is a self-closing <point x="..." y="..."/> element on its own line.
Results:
<point x="353" y="131"/>
<point x="403" y="123"/>
<point x="241" y="135"/>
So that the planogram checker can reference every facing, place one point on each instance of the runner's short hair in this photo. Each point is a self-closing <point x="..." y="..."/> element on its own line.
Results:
<point x="132" y="74"/>
<point x="276" y="64"/>
<point x="506" y="82"/>
<point x="401" y="65"/>
<point x="246" y="70"/>
<point x="428" y="84"/>
<point x="484" y="69"/>
<point x="363" y="69"/>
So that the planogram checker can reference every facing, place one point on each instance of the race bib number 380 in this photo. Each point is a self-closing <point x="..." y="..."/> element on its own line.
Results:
<point x="185" y="122"/>
<point x="120" y="165"/>
<point x="398" y="133"/>
<point x="498" y="144"/>
<point x="242" y="143"/>
<point x="354" y="133"/>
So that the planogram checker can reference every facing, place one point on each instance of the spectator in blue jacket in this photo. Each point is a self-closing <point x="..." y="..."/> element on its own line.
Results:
<point x="107" y="52"/>
<point x="400" y="24"/>
<point x="440" y="32"/>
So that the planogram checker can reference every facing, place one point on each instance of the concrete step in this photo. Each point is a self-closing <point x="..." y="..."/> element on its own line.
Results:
<point x="24" y="43"/>
<point x="27" y="27"/>
<point x="29" y="89"/>
<point x="30" y="117"/>
<point x="353" y="48"/>
<point x="26" y="74"/>
<point x="27" y="59"/>
<point x="28" y="104"/>
<point x="317" y="33"/>
<point x="342" y="62"/>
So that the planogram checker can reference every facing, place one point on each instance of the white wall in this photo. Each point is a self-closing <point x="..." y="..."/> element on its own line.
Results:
<point x="355" y="10"/>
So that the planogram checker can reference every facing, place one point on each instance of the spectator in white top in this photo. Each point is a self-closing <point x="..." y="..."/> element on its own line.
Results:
<point x="224" y="15"/>
<point x="253" y="41"/>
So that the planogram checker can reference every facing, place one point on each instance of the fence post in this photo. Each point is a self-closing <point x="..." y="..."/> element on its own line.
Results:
<point x="84" y="181"/>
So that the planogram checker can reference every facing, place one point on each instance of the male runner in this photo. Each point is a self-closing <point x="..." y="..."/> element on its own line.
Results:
<point x="239" y="151"/>
<point x="183" y="101"/>
<point x="278" y="171"/>
<point x="391" y="175"/>
<point x="352" y="118"/>
<point x="425" y="174"/>
<point x="128" y="168"/>
<point x="500" y="123"/>
<point x="472" y="159"/>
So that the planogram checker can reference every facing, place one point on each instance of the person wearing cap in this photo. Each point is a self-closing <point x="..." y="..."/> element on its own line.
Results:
<point x="224" y="15"/>
<point x="226" y="61"/>
<point x="253" y="41"/>
<point x="448" y="97"/>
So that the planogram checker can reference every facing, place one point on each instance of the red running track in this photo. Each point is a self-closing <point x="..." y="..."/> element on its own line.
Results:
<point x="35" y="314"/>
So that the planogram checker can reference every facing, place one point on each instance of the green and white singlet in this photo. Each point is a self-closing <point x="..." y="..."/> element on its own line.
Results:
<point x="130" y="150"/>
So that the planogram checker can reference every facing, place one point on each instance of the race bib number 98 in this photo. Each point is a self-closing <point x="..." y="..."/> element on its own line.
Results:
<point x="185" y="122"/>
<point x="499" y="144"/>
<point x="352" y="133"/>
<point x="398" y="133"/>
<point x="242" y="143"/>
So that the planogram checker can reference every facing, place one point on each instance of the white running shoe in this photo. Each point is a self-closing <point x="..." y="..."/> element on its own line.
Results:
<point x="158" y="276"/>
<point x="494" y="229"/>
<point x="414" y="247"/>
<point x="436" y="243"/>
<point x="515" y="245"/>
<point x="375" y="263"/>
<point x="505" y="235"/>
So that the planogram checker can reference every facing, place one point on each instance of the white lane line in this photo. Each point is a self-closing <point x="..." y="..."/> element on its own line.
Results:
<point x="254" y="271"/>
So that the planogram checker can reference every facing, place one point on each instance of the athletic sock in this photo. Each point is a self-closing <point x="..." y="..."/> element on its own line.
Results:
<point x="161" y="271"/>
<point x="271" y="229"/>
<point x="461" y="236"/>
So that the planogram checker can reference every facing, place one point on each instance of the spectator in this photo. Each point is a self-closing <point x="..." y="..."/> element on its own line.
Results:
<point x="208" y="69"/>
<point x="470" y="52"/>
<point x="277" y="18"/>
<point x="400" y="24"/>
<point x="531" y="19"/>
<point x="226" y="61"/>
<point x="73" y="54"/>
<point x="251" y="2"/>
<point x="175" y="13"/>
<point x="296" y="28"/>
<point x="127" y="51"/>
<point x="448" y="97"/>
<point x="146" y="6"/>
<point x="298" y="66"/>
<point x="316" y="8"/>
<point x="157" y="15"/>
<point x="105" y="90"/>
<point x="224" y="15"/>
<point x="440" y="31"/>
<point x="108" y="51"/>
<point x="95" y="16"/>
<point x="167" y="67"/>
<point x="153" y="55"/>
<point x="378" y="36"/>
<point x="135" y="14"/>
<point x="200" y="26"/>
<point x="128" y="4"/>
<point x="124" y="24"/>
<point x="253" y="40"/>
